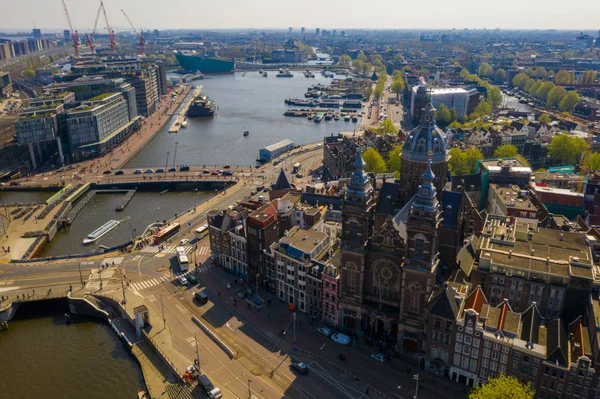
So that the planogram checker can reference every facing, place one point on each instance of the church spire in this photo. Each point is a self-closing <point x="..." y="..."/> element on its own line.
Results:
<point x="426" y="195"/>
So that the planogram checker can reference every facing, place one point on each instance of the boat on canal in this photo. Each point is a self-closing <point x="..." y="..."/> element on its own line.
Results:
<point x="319" y="117"/>
<point x="184" y="124"/>
<point x="101" y="231"/>
<point x="246" y="133"/>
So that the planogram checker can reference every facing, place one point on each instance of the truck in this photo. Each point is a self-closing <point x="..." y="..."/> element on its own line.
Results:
<point x="192" y="372"/>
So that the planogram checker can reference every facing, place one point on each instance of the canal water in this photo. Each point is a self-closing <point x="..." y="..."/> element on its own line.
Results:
<point x="42" y="357"/>
<point x="245" y="102"/>
<point x="13" y="197"/>
<point x="145" y="208"/>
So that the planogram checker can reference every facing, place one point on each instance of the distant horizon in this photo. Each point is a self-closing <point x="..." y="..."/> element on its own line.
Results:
<point x="263" y="14"/>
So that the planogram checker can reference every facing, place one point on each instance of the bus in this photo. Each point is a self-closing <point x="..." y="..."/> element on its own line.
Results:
<point x="166" y="232"/>
<point x="182" y="259"/>
<point x="202" y="231"/>
<point x="296" y="168"/>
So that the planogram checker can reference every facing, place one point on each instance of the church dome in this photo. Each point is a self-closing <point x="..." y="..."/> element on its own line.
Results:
<point x="426" y="139"/>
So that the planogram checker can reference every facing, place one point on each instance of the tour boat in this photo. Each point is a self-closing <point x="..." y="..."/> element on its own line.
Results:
<point x="184" y="124"/>
<point x="246" y="133"/>
<point x="100" y="231"/>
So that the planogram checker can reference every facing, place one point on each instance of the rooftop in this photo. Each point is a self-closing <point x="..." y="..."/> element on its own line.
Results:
<point x="304" y="240"/>
<point x="513" y="197"/>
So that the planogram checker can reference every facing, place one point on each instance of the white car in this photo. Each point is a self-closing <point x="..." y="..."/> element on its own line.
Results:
<point x="324" y="331"/>
<point x="380" y="357"/>
<point x="341" y="339"/>
<point x="183" y="281"/>
<point x="184" y="241"/>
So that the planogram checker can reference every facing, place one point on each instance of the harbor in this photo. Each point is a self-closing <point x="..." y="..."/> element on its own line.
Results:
<point x="180" y="118"/>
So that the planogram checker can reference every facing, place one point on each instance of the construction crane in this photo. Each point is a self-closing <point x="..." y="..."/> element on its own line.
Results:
<point x="140" y="34"/>
<point x="90" y="38"/>
<point x="111" y="32"/>
<point x="74" y="33"/>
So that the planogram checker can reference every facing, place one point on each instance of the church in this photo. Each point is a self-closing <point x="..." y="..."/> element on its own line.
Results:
<point x="389" y="245"/>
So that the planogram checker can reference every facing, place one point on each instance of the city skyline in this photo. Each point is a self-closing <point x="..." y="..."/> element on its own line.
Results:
<point x="269" y="14"/>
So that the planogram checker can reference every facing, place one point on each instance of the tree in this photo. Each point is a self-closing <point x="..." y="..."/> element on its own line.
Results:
<point x="543" y="91"/>
<point x="569" y="101"/>
<point x="482" y="109"/>
<point x="396" y="74"/>
<point x="540" y="72"/>
<point x="398" y="58"/>
<point x="520" y="80"/>
<point x="367" y="68"/>
<point x="387" y="126"/>
<point x="529" y="72"/>
<point x="379" y="88"/>
<point x="442" y="115"/>
<point x="485" y="70"/>
<point x="562" y="77"/>
<point x="544" y="118"/>
<point x="503" y="387"/>
<point x="593" y="162"/>
<point x="374" y="161"/>
<point x="358" y="65"/>
<point x="555" y="96"/>
<point x="588" y="78"/>
<point x="398" y="86"/>
<point x="495" y="97"/>
<point x="395" y="161"/>
<point x="345" y="60"/>
<point x="458" y="162"/>
<point x="362" y="57"/>
<point x="28" y="74"/>
<point x="453" y="115"/>
<point x="509" y="151"/>
<point x="567" y="150"/>
<point x="500" y="76"/>
<point x="472" y="155"/>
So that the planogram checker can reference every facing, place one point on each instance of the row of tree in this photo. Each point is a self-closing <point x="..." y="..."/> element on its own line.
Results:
<point x="376" y="164"/>
<point x="554" y="96"/>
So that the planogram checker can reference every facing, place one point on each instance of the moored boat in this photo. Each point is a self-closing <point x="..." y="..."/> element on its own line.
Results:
<point x="246" y="133"/>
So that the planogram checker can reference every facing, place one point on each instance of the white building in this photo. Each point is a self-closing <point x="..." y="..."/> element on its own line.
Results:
<point x="451" y="97"/>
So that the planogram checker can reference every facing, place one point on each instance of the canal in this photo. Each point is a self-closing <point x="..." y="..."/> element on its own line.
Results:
<point x="245" y="102"/>
<point x="15" y="197"/>
<point x="42" y="357"/>
<point x="144" y="208"/>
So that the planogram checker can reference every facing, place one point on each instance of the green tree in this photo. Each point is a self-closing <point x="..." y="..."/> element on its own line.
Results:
<point x="379" y="88"/>
<point x="458" y="162"/>
<point x="588" y="78"/>
<point x="482" y="109"/>
<point x="345" y="60"/>
<point x="544" y="118"/>
<point x="398" y="58"/>
<point x="567" y="150"/>
<point x="367" y="67"/>
<point x="543" y="91"/>
<point x="398" y="86"/>
<point x="373" y="160"/>
<point x="520" y="80"/>
<point x="387" y="126"/>
<point x="472" y="155"/>
<point x="540" y="73"/>
<point x="485" y="70"/>
<point x="593" y="162"/>
<point x="529" y="72"/>
<point x="494" y="97"/>
<point x="395" y="161"/>
<point x="569" y="101"/>
<point x="500" y="76"/>
<point x="562" y="77"/>
<point x="362" y="57"/>
<point x="502" y="387"/>
<point x="396" y="74"/>
<point x="28" y="74"/>
<point x="442" y="115"/>
<point x="506" y="151"/>
<point x="358" y="65"/>
<point x="453" y="115"/>
<point x="555" y="96"/>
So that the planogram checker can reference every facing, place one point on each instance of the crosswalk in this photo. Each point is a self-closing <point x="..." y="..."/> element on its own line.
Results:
<point x="154" y="249"/>
<point x="151" y="282"/>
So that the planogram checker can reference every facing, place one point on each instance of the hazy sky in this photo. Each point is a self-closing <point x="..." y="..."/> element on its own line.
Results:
<point x="390" y="14"/>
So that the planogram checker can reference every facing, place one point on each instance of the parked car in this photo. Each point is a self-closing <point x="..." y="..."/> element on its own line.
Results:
<point x="172" y="170"/>
<point x="106" y="172"/>
<point x="228" y="173"/>
<point x="325" y="331"/>
<point x="119" y="172"/>
<point x="149" y="171"/>
<point x="183" y="281"/>
<point x="192" y="279"/>
<point x="184" y="168"/>
<point x="380" y="357"/>
<point x="160" y="170"/>
<point x="137" y="172"/>
<point x="300" y="367"/>
<point x="341" y="339"/>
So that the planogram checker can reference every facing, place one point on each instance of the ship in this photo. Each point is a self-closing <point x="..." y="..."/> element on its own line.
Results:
<point x="100" y="231"/>
<point x="195" y="62"/>
<point x="201" y="106"/>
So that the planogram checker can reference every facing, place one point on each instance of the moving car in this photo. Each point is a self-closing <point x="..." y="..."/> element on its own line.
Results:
<point x="172" y="170"/>
<point x="214" y="173"/>
<point x="137" y="172"/>
<point x="325" y="331"/>
<point x="184" y="168"/>
<point x="184" y="241"/>
<point x="106" y="172"/>
<point x="149" y="171"/>
<point x="119" y="172"/>
<point x="227" y="166"/>
<point x="206" y="171"/>
<point x="300" y="367"/>
<point x="380" y="357"/>
<point x="341" y="339"/>
<point x="160" y="170"/>
<point x="192" y="279"/>
<point x="183" y="281"/>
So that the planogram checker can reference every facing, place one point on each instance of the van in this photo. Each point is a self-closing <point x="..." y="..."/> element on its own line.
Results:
<point x="209" y="388"/>
<point x="201" y="297"/>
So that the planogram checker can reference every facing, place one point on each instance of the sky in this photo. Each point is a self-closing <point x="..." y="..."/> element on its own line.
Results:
<point x="349" y="14"/>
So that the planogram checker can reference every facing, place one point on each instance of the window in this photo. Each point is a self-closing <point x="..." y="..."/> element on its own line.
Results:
<point x="458" y="348"/>
<point x="475" y="353"/>
<point x="448" y="325"/>
<point x="466" y="350"/>
<point x="554" y="372"/>
<point x="476" y="342"/>
<point x="467" y="340"/>
<point x="546" y="370"/>
<point x="459" y="337"/>
<point x="419" y="244"/>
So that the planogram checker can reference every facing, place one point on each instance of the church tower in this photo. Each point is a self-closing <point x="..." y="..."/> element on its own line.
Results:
<point x="357" y="228"/>
<point x="421" y="261"/>
<point x="425" y="142"/>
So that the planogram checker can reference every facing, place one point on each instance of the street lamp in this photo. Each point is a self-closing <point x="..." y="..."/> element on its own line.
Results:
<point x="175" y="155"/>
<point x="167" y="163"/>
<point x="249" y="392"/>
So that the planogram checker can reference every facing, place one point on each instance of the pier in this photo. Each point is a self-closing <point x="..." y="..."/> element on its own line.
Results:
<point x="176" y="126"/>
<point x="125" y="200"/>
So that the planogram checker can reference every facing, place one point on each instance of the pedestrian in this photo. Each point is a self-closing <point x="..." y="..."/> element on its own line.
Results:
<point x="3" y="249"/>
<point x="8" y="249"/>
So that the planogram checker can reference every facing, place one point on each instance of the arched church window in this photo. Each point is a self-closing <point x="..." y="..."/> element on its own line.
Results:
<point x="437" y="148"/>
<point x="414" y="297"/>
<point x="421" y="145"/>
<point x="351" y="272"/>
<point x="419" y="245"/>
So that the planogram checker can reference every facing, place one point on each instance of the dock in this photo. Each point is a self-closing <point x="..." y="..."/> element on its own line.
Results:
<point x="125" y="200"/>
<point x="176" y="126"/>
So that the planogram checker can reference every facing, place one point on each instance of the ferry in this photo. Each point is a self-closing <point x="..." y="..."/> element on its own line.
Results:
<point x="100" y="231"/>
<point x="319" y="117"/>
